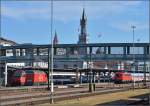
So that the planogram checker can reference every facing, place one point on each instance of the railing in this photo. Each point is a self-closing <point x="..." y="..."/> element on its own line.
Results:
<point x="75" y="57"/>
<point x="71" y="52"/>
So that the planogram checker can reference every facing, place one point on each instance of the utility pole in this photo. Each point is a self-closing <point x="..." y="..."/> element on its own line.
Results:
<point x="137" y="65"/>
<point x="48" y="87"/>
<point x="90" y="80"/>
<point x="6" y="74"/>
<point x="144" y="82"/>
<point x="149" y="56"/>
<point x="133" y="27"/>
<point x="51" y="57"/>
<point x="90" y="83"/>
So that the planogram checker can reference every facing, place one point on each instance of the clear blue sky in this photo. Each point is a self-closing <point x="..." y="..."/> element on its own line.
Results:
<point x="29" y="22"/>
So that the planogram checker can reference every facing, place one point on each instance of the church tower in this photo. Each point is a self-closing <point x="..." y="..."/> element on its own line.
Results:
<point x="83" y="30"/>
<point x="83" y="36"/>
<point x="55" y="40"/>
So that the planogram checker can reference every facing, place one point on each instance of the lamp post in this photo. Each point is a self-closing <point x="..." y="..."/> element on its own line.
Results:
<point x="138" y="40"/>
<point x="50" y="59"/>
<point x="133" y="28"/>
<point x="90" y="66"/>
<point x="149" y="60"/>
<point x="100" y="52"/>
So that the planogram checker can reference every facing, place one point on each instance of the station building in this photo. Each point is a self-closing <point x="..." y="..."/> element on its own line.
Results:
<point x="81" y="64"/>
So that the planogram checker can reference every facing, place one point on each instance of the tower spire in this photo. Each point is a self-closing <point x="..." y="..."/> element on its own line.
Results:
<point x="55" y="40"/>
<point x="83" y="15"/>
<point x="83" y="23"/>
<point x="83" y="34"/>
<point x="83" y="30"/>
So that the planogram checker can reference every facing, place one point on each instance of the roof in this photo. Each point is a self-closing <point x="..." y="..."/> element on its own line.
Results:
<point x="84" y="15"/>
<point x="8" y="41"/>
<point x="55" y="40"/>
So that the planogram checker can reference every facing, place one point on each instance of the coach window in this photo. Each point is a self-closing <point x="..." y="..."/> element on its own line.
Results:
<point x="75" y="66"/>
<point x="65" y="66"/>
<point x="55" y="66"/>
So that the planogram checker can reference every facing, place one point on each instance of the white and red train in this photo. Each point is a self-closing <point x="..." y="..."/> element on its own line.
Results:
<point x="123" y="77"/>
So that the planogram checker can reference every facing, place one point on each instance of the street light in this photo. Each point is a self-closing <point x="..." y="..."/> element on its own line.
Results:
<point x="90" y="80"/>
<point x="149" y="56"/>
<point x="50" y="58"/>
<point x="138" y="40"/>
<point x="133" y="28"/>
<point x="100" y="52"/>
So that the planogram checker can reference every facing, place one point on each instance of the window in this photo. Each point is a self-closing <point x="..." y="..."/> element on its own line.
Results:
<point x="75" y="66"/>
<point x="65" y="66"/>
<point x="55" y="66"/>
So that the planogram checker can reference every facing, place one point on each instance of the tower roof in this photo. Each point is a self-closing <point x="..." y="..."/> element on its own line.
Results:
<point x="55" y="41"/>
<point x="83" y="25"/>
<point x="84" y="15"/>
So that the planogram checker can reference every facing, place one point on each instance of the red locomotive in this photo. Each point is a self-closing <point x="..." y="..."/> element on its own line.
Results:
<point x="122" y="77"/>
<point x="28" y="77"/>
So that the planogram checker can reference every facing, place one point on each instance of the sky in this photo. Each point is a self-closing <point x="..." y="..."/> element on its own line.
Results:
<point x="107" y="21"/>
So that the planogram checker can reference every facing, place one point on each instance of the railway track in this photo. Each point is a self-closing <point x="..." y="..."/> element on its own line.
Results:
<point x="33" y="98"/>
<point x="43" y="88"/>
<point x="42" y="98"/>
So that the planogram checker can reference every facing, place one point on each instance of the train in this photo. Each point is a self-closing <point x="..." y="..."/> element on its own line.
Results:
<point x="64" y="79"/>
<point x="38" y="77"/>
<point x="28" y="77"/>
<point x="126" y="77"/>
